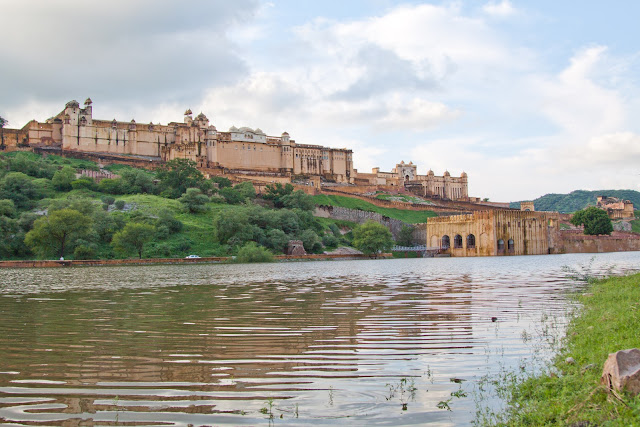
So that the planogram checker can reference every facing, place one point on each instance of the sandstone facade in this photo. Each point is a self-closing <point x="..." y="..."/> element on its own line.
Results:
<point x="496" y="232"/>
<point x="616" y="208"/>
<point x="240" y="150"/>
<point x="243" y="152"/>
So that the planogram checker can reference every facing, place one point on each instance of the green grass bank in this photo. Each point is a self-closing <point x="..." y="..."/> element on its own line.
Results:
<point x="408" y="216"/>
<point x="571" y="394"/>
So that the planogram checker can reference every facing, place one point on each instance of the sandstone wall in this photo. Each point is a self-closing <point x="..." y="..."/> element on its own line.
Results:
<point x="360" y="217"/>
<point x="573" y="241"/>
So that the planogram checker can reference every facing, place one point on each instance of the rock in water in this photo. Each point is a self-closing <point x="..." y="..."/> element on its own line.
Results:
<point x="622" y="371"/>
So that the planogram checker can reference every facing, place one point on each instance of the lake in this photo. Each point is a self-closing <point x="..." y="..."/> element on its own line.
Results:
<point x="370" y="342"/>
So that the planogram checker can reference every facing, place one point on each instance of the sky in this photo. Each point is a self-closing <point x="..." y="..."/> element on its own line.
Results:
<point x="526" y="97"/>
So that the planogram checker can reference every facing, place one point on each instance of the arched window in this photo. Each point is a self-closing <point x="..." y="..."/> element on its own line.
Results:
<point x="457" y="241"/>
<point x="446" y="242"/>
<point x="510" y="245"/>
<point x="471" y="241"/>
<point x="500" y="245"/>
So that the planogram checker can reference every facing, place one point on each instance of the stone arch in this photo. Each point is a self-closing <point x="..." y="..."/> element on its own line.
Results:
<point x="471" y="241"/>
<point x="511" y="245"/>
<point x="500" y="245"/>
<point x="457" y="241"/>
<point x="446" y="242"/>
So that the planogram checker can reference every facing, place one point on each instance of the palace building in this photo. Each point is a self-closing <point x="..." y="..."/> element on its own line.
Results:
<point x="241" y="151"/>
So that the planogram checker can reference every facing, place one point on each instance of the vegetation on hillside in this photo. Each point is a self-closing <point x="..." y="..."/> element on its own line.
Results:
<point x="48" y="210"/>
<point x="410" y="217"/>
<point x="579" y="199"/>
<point x="595" y="221"/>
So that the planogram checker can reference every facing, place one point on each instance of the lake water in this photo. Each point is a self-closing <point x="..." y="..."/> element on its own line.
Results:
<point x="339" y="342"/>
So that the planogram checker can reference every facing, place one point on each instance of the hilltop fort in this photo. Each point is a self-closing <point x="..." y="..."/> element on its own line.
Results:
<point x="244" y="152"/>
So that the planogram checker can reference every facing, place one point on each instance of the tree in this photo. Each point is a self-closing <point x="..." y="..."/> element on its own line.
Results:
<point x="405" y="237"/>
<point x="194" y="201"/>
<point x="372" y="237"/>
<point x="298" y="199"/>
<point x="63" y="178"/>
<point x="252" y="252"/>
<point x="54" y="233"/>
<point x="275" y="192"/>
<point x="3" y="123"/>
<point x="221" y="181"/>
<point x="177" y="175"/>
<point x="594" y="220"/>
<point x="21" y="189"/>
<point x="133" y="237"/>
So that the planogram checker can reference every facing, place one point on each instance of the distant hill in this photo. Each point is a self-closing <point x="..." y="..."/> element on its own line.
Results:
<point x="579" y="199"/>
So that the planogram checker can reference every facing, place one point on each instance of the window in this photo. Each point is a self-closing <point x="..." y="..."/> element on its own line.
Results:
<point x="500" y="245"/>
<point x="457" y="241"/>
<point x="446" y="242"/>
<point x="471" y="241"/>
<point x="511" y="245"/>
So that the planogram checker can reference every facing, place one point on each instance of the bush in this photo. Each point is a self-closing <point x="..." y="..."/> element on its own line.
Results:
<point x="85" y="251"/>
<point x="120" y="204"/>
<point x="372" y="237"/>
<point x="251" y="252"/>
<point x="194" y="201"/>
<point x="63" y="178"/>
<point x="86" y="183"/>
<point x="108" y="200"/>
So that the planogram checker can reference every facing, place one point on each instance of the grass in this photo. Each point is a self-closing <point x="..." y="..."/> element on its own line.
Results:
<point x="198" y="235"/>
<point x="570" y="394"/>
<point x="403" y="198"/>
<point x="410" y="217"/>
<point x="635" y="224"/>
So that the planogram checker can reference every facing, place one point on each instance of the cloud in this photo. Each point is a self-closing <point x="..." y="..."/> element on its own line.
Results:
<point x="502" y="9"/>
<point x="118" y="52"/>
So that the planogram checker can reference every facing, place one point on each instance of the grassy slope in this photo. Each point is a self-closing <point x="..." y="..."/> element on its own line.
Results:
<point x="635" y="224"/>
<point x="608" y="322"/>
<point x="411" y="217"/>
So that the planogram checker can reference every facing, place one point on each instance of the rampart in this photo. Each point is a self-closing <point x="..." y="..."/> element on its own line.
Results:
<point x="360" y="217"/>
<point x="574" y="241"/>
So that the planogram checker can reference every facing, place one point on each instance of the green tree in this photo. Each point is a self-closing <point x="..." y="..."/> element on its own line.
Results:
<point x="405" y="237"/>
<point x="7" y="208"/>
<point x="63" y="178"/>
<point x="221" y="181"/>
<point x="251" y="252"/>
<point x="594" y="220"/>
<point x="275" y="192"/>
<point x="21" y="189"/>
<point x="55" y="233"/>
<point x="310" y="240"/>
<point x="3" y="123"/>
<point x="177" y="175"/>
<point x="298" y="200"/>
<point x="372" y="237"/>
<point x="133" y="237"/>
<point x="194" y="201"/>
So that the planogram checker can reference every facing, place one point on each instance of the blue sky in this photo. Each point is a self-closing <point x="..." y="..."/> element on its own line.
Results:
<point x="527" y="97"/>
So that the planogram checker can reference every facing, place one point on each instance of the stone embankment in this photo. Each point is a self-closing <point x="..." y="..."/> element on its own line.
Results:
<point x="150" y="261"/>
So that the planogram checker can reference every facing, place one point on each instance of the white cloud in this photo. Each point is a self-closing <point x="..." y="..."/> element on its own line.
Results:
<point x="502" y="9"/>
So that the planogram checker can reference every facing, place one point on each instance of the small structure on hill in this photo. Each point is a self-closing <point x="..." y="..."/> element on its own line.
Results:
<point x="527" y="207"/>
<point x="296" y="248"/>
<point x="616" y="208"/>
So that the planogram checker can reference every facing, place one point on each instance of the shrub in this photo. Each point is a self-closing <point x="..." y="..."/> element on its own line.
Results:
<point x="120" y="204"/>
<point x="108" y="200"/>
<point x="251" y="252"/>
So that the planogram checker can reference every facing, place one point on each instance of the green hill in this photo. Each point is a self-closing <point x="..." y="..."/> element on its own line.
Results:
<point x="579" y="199"/>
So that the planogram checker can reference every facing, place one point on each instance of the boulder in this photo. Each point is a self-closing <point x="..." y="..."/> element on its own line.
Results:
<point x="622" y="371"/>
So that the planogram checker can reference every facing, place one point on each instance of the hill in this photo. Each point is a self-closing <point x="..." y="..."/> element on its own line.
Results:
<point x="579" y="199"/>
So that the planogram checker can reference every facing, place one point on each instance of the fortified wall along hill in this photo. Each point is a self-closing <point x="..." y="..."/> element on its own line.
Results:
<point x="242" y="152"/>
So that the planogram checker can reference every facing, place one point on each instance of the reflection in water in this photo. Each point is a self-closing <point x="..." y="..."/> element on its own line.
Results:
<point x="345" y="342"/>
